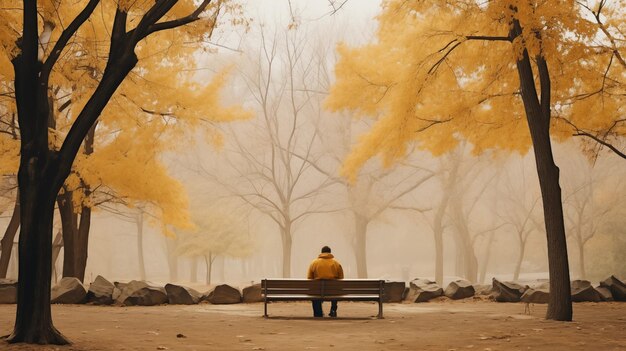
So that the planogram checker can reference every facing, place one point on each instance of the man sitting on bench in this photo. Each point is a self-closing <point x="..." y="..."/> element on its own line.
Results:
<point x="325" y="267"/>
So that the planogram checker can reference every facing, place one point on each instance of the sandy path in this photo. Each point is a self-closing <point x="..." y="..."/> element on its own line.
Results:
<point x="460" y="325"/>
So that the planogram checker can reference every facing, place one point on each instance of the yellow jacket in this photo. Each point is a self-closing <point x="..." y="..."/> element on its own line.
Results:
<point x="325" y="267"/>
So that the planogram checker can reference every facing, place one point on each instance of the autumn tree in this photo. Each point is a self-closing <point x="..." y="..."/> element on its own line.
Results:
<point x="489" y="73"/>
<point x="267" y="158"/>
<point x="43" y="169"/>
<point x="218" y="232"/>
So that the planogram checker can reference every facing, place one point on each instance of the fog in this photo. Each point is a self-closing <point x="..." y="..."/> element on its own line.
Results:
<point x="493" y="209"/>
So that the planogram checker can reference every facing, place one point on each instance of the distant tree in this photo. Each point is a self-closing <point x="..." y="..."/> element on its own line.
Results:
<point x="218" y="232"/>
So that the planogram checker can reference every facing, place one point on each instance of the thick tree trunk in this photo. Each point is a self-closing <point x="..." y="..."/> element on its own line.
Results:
<point x="538" y="116"/>
<point x="360" y="245"/>
<point x="142" y="265"/>
<point x="520" y="259"/>
<point x="33" y="323"/>
<point x="9" y="236"/>
<point x="286" y="241"/>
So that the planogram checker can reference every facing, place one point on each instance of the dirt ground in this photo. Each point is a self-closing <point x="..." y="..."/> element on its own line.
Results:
<point x="445" y="325"/>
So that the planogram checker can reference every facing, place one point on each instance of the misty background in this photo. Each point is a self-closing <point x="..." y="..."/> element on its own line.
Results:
<point x="488" y="207"/>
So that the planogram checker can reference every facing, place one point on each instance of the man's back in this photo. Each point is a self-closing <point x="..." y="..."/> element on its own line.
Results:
<point x="325" y="267"/>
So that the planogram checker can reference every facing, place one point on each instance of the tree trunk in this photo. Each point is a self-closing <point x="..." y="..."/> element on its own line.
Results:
<point x="286" y="237"/>
<point x="172" y="259"/>
<point x="208" y="260"/>
<point x="142" y="265"/>
<point x="69" y="225"/>
<point x="33" y="322"/>
<point x="438" y="233"/>
<point x="57" y="244"/>
<point x="360" y="245"/>
<point x="581" y="259"/>
<point x="194" y="270"/>
<point x="520" y="258"/>
<point x="9" y="236"/>
<point x="483" y="269"/>
<point x="81" y="245"/>
<point x="538" y="116"/>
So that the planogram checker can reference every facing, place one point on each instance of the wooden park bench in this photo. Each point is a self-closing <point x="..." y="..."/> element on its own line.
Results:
<point x="325" y="290"/>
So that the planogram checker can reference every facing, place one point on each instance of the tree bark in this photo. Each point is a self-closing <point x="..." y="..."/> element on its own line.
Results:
<point x="82" y="243"/>
<point x="172" y="259"/>
<point x="538" y="116"/>
<point x="33" y="323"/>
<point x="483" y="269"/>
<point x="9" y="236"/>
<point x="360" y="245"/>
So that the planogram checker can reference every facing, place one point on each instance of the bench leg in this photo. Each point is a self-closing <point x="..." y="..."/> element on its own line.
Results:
<point x="265" y="309"/>
<point x="380" y="310"/>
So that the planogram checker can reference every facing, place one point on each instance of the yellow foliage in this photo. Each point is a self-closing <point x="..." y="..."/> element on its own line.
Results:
<point x="440" y="71"/>
<point x="157" y="109"/>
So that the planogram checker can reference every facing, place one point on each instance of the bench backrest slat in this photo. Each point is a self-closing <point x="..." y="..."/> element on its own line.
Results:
<point x="322" y="287"/>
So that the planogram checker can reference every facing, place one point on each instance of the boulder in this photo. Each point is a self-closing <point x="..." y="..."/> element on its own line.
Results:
<point x="100" y="292"/>
<point x="583" y="291"/>
<point x="535" y="296"/>
<point x="223" y="294"/>
<point x="252" y="293"/>
<point x="539" y="284"/>
<point x="616" y="286"/>
<point x="605" y="293"/>
<point x="140" y="293"/>
<point x="459" y="289"/>
<point x="482" y="289"/>
<point x="8" y="291"/>
<point x="117" y="290"/>
<point x="68" y="290"/>
<point x="180" y="295"/>
<point x="422" y="290"/>
<point x="506" y="291"/>
<point x="394" y="291"/>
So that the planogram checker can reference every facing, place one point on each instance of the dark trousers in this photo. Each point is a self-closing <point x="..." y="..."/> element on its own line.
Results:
<point x="317" y="307"/>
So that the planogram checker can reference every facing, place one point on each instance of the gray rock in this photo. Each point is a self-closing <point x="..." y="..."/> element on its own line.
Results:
<point x="252" y="293"/>
<point x="506" y="291"/>
<point x="539" y="284"/>
<point x="605" y="293"/>
<point x="394" y="291"/>
<point x="140" y="293"/>
<point x="223" y="294"/>
<point x="422" y="290"/>
<point x="583" y="291"/>
<point x="616" y="286"/>
<point x="100" y="292"/>
<point x="535" y="296"/>
<point x="68" y="291"/>
<point x="180" y="295"/>
<point x="482" y="289"/>
<point x="459" y="289"/>
<point x="148" y="296"/>
<point x="8" y="291"/>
